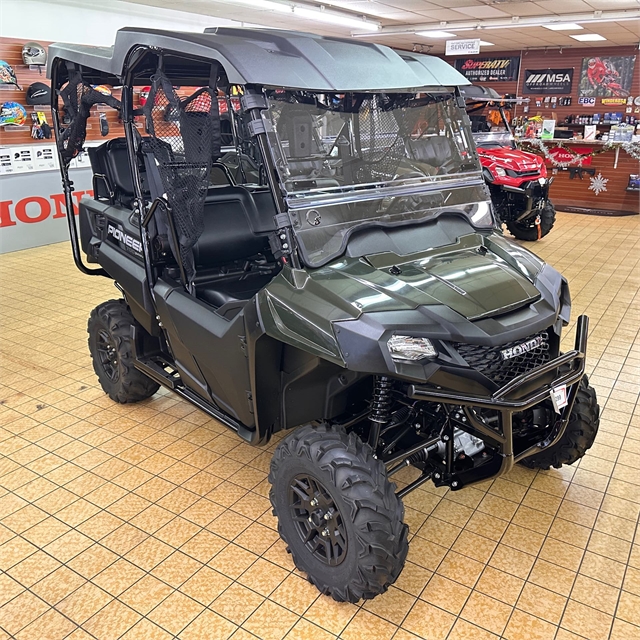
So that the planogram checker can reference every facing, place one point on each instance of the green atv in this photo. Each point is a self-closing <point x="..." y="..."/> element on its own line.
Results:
<point x="328" y="266"/>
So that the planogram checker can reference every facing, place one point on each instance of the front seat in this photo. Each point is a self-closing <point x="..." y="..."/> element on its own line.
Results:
<point x="232" y="232"/>
<point x="437" y="151"/>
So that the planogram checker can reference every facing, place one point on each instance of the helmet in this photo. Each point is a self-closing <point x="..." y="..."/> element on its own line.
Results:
<point x="12" y="113"/>
<point x="144" y="95"/>
<point x="102" y="88"/>
<point x="34" y="53"/>
<point x="7" y="74"/>
<point x="38" y="93"/>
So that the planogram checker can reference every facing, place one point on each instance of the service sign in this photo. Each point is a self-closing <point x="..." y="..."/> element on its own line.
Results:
<point x="548" y="81"/>
<point x="463" y="47"/>
<point x="489" y="69"/>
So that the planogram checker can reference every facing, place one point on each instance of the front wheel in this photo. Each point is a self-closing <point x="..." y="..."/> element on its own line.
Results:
<point x="110" y="344"/>
<point x="529" y="230"/>
<point x="338" y="512"/>
<point x="579" y="436"/>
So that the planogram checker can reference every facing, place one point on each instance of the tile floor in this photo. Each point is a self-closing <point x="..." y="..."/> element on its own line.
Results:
<point x="152" y="521"/>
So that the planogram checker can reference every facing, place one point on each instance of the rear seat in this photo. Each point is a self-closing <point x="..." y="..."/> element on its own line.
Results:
<point x="237" y="222"/>
<point x="111" y="161"/>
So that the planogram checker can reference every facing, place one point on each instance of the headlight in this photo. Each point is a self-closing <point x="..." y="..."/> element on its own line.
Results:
<point x="410" y="348"/>
<point x="500" y="172"/>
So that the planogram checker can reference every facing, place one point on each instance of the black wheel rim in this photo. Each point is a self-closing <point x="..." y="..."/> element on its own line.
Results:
<point x="318" y="520"/>
<point x="108" y="355"/>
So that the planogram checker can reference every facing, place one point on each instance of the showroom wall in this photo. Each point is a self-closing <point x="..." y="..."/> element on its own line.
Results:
<point x="569" y="188"/>
<point x="32" y="211"/>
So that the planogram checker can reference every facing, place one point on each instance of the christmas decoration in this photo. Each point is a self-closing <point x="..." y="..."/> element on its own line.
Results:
<point x="536" y="145"/>
<point x="598" y="184"/>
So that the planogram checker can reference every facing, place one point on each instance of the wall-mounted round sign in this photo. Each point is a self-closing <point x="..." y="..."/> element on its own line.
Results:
<point x="637" y="101"/>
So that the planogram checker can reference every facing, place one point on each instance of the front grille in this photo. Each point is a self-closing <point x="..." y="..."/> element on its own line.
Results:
<point x="489" y="360"/>
<point x="520" y="174"/>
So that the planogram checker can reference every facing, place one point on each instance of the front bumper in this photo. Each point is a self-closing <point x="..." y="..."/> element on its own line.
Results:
<point x="506" y="401"/>
<point x="534" y="197"/>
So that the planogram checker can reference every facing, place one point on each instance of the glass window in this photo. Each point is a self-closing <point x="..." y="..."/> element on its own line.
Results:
<point x="357" y="160"/>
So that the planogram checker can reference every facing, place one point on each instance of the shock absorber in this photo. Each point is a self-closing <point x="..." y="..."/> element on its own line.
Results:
<point x="380" y="413"/>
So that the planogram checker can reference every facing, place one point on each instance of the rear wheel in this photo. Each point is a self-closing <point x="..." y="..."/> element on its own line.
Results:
<point x="579" y="436"/>
<point x="529" y="230"/>
<point x="338" y="512"/>
<point x="110" y="345"/>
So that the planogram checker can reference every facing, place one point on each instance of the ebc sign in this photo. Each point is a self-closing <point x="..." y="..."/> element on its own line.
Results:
<point x="546" y="81"/>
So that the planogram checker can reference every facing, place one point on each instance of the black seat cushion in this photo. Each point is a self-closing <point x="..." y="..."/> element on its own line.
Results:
<point x="234" y="228"/>
<point x="222" y="292"/>
<point x="118" y="166"/>
<point x="434" y="150"/>
<point x="111" y="160"/>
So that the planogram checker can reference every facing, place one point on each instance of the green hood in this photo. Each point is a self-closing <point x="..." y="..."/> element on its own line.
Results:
<point x="472" y="281"/>
<point x="476" y="281"/>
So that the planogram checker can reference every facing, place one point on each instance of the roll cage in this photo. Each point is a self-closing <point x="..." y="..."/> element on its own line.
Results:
<point x="243" y="71"/>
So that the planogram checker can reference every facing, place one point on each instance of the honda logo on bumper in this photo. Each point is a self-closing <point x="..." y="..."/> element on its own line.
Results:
<point x="523" y="348"/>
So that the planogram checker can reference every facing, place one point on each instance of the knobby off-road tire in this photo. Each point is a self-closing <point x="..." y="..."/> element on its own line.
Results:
<point x="527" y="230"/>
<point x="579" y="436"/>
<point x="111" y="351"/>
<point x="344" y="474"/>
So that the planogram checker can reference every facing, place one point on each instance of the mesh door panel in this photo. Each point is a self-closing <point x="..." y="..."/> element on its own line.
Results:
<point x="78" y="98"/>
<point x="184" y="140"/>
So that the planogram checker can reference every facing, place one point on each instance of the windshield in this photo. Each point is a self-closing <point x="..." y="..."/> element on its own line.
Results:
<point x="369" y="159"/>
<point x="340" y="141"/>
<point x="493" y="139"/>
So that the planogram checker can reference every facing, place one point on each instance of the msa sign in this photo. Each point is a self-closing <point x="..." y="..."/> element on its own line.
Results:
<point x="462" y="47"/>
<point x="546" y="81"/>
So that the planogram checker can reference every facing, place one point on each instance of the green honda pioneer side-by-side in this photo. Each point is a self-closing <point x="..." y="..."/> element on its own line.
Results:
<point x="304" y="242"/>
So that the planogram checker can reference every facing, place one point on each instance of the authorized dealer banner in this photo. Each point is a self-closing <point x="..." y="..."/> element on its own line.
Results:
<point x="489" y="69"/>
<point x="546" y="81"/>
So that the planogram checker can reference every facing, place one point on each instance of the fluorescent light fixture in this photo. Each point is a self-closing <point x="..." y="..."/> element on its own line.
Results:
<point x="264" y="4"/>
<point x="435" y="34"/>
<point x="317" y="15"/>
<point x="335" y="18"/>
<point x="486" y="44"/>
<point x="588" y="37"/>
<point x="513" y="25"/>
<point x="562" y="26"/>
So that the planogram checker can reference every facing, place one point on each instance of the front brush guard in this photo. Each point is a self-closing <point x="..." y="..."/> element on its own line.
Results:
<point x="503" y="402"/>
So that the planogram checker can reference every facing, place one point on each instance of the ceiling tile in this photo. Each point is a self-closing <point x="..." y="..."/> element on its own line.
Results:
<point x="565" y="6"/>
<point x="481" y="11"/>
<point x="523" y="9"/>
<point x="613" y="5"/>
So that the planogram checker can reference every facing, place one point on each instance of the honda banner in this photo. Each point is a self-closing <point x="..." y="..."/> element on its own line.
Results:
<point x="33" y="210"/>
<point x="545" y="81"/>
<point x="489" y="69"/>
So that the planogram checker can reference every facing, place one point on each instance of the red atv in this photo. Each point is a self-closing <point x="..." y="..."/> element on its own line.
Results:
<point x="517" y="180"/>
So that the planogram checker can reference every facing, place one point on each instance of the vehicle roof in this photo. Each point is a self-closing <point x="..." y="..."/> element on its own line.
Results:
<point x="273" y="57"/>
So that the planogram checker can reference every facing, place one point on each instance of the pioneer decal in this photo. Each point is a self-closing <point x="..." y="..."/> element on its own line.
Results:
<point x="521" y="349"/>
<point x="548" y="81"/>
<point x="124" y="240"/>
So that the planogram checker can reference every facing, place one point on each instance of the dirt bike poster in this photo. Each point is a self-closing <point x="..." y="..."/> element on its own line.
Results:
<point x="606" y="77"/>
